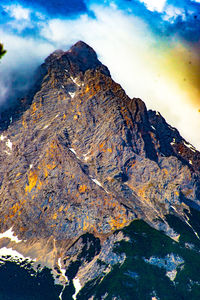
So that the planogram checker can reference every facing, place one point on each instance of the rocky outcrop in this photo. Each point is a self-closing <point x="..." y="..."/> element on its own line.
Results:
<point x="84" y="158"/>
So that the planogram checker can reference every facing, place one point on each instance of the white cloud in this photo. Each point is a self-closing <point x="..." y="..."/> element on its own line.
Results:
<point x="171" y="13"/>
<point x="126" y="46"/>
<point x="20" y="25"/>
<point x="23" y="56"/>
<point x="154" y="5"/>
<point x="18" y="12"/>
<point x="21" y="17"/>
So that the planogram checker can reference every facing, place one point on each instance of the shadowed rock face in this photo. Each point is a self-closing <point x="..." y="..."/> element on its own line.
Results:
<point x="85" y="158"/>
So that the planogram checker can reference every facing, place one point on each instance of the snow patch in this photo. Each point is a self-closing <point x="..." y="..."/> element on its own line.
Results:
<point x="153" y="127"/>
<point x="190" y="162"/>
<point x="171" y="274"/>
<point x="157" y="113"/>
<point x="71" y="94"/>
<point x="190" y="146"/>
<point x="46" y="126"/>
<point x="174" y="142"/>
<point x="8" y="153"/>
<point x="30" y="166"/>
<point x="60" y="296"/>
<point x="9" y="144"/>
<point x="77" y="287"/>
<point x="63" y="86"/>
<point x="72" y="150"/>
<point x="86" y="156"/>
<point x="62" y="270"/>
<point x="172" y="128"/>
<point x="75" y="80"/>
<point x="2" y="137"/>
<point x="192" y="227"/>
<point x="13" y="253"/>
<point x="10" y="235"/>
<point x="97" y="182"/>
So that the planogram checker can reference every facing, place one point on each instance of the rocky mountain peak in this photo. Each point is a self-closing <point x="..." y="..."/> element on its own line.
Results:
<point x="85" y="158"/>
<point x="83" y="52"/>
<point x="79" y="58"/>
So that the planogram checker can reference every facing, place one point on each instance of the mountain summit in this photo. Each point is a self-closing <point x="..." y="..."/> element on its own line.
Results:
<point x="84" y="158"/>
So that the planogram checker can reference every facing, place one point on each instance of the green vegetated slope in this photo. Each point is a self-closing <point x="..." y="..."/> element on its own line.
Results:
<point x="150" y="254"/>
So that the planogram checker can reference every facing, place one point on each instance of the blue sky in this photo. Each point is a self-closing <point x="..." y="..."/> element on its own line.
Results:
<point x="164" y="17"/>
<point x="150" y="46"/>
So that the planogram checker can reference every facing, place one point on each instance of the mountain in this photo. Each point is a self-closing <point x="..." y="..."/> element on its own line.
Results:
<point x="81" y="161"/>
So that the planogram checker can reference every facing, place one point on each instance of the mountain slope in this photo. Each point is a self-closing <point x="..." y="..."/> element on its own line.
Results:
<point x="84" y="158"/>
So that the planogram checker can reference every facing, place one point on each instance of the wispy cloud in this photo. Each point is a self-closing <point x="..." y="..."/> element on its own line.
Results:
<point x="154" y="5"/>
<point x="17" y="12"/>
<point x="17" y="67"/>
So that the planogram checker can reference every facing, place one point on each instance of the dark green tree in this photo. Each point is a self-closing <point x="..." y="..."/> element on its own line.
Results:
<point x="2" y="51"/>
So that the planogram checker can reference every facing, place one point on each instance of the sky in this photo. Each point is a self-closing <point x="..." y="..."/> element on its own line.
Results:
<point x="151" y="47"/>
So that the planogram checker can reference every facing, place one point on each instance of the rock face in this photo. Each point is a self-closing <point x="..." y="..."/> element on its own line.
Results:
<point x="82" y="157"/>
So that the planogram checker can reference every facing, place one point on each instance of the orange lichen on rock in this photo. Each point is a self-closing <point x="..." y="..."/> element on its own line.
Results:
<point x="51" y="166"/>
<point x="165" y="171"/>
<point x="54" y="217"/>
<point x="60" y="208"/>
<point x="86" y="225"/>
<point x="141" y="192"/>
<point x="15" y="207"/>
<point x="87" y="89"/>
<point x="24" y="123"/>
<point x="82" y="188"/>
<point x="101" y="145"/>
<point x="93" y="87"/>
<point x="118" y="222"/>
<point x="52" y="150"/>
<point x="34" y="108"/>
<point x="46" y="173"/>
<point x="176" y="193"/>
<point x="22" y="229"/>
<point x="103" y="148"/>
<point x="32" y="180"/>
<point x="39" y="185"/>
<point x="35" y="116"/>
